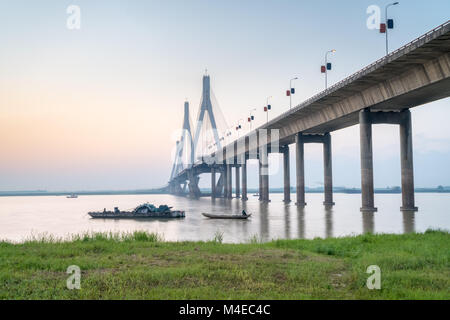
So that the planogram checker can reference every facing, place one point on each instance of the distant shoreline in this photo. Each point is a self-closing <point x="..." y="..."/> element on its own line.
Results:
<point x="42" y="193"/>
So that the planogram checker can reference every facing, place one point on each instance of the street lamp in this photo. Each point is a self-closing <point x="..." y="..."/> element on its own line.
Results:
<point x="389" y="24"/>
<point x="251" y="118"/>
<point x="326" y="67"/>
<point x="267" y="108"/>
<point x="228" y="134"/>
<point x="290" y="92"/>
<point x="239" y="126"/>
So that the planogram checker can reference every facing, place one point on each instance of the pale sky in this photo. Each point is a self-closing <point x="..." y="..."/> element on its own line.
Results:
<point x="100" y="107"/>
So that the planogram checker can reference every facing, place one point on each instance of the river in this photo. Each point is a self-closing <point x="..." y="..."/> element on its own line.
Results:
<point x="22" y="217"/>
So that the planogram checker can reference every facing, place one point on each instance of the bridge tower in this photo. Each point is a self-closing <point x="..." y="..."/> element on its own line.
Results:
<point x="206" y="110"/>
<point x="206" y="114"/>
<point x="184" y="151"/>
<point x="183" y="172"/>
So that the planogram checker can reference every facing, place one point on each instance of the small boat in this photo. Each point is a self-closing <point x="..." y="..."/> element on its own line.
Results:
<point x="72" y="196"/>
<point x="144" y="211"/>
<point x="243" y="216"/>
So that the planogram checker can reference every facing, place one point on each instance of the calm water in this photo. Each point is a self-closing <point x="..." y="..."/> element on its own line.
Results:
<point x="20" y="217"/>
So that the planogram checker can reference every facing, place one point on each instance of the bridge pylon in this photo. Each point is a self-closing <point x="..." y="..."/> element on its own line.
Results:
<point x="206" y="109"/>
<point x="188" y="173"/>
<point x="184" y="152"/>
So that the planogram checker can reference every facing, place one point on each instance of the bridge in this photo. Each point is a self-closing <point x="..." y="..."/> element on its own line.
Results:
<point x="381" y="93"/>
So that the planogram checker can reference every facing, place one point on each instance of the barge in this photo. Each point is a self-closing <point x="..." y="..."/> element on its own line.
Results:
<point x="144" y="211"/>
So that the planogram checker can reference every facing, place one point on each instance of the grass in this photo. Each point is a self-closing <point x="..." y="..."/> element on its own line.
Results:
<point x="142" y="266"/>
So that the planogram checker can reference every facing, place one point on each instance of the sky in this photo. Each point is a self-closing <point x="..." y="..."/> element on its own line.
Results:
<point x="101" y="107"/>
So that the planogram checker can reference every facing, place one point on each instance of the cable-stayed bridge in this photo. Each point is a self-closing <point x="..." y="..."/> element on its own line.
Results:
<point x="210" y="134"/>
<point x="381" y="93"/>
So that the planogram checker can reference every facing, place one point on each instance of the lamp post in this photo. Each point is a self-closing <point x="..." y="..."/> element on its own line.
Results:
<point x="239" y="126"/>
<point x="228" y="134"/>
<point x="387" y="24"/>
<point x="251" y="118"/>
<point x="327" y="67"/>
<point x="291" y="91"/>
<point x="267" y="108"/>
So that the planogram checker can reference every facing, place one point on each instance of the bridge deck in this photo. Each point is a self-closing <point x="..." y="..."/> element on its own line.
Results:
<point x="415" y="74"/>
<point x="412" y="75"/>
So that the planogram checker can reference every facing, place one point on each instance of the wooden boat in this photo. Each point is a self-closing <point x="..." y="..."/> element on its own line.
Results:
<point x="227" y="216"/>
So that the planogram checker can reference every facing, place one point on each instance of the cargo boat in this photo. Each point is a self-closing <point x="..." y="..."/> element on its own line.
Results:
<point x="144" y="211"/>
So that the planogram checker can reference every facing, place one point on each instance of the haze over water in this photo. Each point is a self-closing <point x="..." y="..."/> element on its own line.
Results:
<point x="22" y="217"/>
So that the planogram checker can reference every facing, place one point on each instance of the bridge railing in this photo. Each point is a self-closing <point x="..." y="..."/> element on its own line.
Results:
<point x="355" y="75"/>
<point x="359" y="73"/>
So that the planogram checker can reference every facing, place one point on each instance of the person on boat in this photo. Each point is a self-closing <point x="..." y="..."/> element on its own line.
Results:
<point x="244" y="213"/>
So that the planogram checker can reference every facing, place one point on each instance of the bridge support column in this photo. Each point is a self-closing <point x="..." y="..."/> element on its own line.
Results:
<point x="300" y="169"/>
<point x="225" y="181"/>
<point x="264" y="173"/>
<point x="328" y="170"/>
<point x="213" y="183"/>
<point x="367" y="190"/>
<point x="287" y="175"/>
<point x="406" y="155"/>
<point x="244" y="181"/>
<point x="260" y="180"/>
<point x="175" y="188"/>
<point x="194" y="190"/>
<point x="229" y="182"/>
<point x="238" y="181"/>
<point x="265" y="186"/>
<point x="220" y="185"/>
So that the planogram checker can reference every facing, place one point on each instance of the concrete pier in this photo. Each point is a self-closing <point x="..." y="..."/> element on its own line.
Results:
<point x="407" y="167"/>
<point x="213" y="183"/>
<point x="300" y="168"/>
<point x="367" y="192"/>
<point x="238" y="180"/>
<point x="225" y="182"/>
<point x="260" y="180"/>
<point x="328" y="170"/>
<point x="287" y="175"/>
<point x="264" y="165"/>
<point x="220" y="185"/>
<point x="244" y="181"/>
<point x="265" y="185"/>
<point x="229" y="182"/>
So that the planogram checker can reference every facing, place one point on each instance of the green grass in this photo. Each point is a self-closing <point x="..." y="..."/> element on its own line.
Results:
<point x="143" y="266"/>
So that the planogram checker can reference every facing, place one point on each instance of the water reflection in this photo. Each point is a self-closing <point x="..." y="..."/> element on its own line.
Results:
<point x="368" y="222"/>
<point x="287" y="222"/>
<point x="21" y="216"/>
<point x="264" y="221"/>
<point x="409" y="222"/>
<point x="301" y="222"/>
<point x="328" y="222"/>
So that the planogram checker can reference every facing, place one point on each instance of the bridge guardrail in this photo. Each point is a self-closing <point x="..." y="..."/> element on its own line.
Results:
<point x="357" y="74"/>
<point x="353" y="76"/>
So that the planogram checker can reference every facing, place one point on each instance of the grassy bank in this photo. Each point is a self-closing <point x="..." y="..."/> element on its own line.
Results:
<point x="141" y="266"/>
